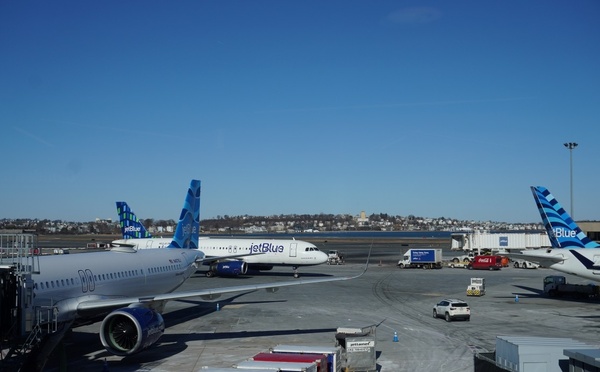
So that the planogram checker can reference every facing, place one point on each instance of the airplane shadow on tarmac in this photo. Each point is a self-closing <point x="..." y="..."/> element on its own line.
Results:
<point x="538" y="293"/>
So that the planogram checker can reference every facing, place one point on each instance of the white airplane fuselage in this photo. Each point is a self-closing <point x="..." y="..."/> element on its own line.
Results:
<point x="275" y="252"/>
<point x="565" y="260"/>
<point x="65" y="281"/>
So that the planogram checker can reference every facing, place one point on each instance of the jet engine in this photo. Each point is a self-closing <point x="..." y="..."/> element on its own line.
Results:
<point x="230" y="268"/>
<point x="130" y="330"/>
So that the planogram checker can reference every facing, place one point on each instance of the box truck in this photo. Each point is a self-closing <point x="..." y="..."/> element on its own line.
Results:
<point x="423" y="258"/>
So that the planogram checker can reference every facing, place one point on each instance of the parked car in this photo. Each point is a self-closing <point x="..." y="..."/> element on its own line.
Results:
<point x="451" y="309"/>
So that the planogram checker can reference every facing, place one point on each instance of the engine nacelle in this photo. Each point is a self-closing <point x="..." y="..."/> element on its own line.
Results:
<point x="130" y="330"/>
<point x="232" y="268"/>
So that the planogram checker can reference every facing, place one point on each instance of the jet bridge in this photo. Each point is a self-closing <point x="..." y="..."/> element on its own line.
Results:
<point x="19" y="321"/>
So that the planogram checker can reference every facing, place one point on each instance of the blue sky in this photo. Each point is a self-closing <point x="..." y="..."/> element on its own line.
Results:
<point x="430" y="108"/>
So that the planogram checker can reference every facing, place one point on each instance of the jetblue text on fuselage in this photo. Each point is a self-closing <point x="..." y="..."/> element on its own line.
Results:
<point x="564" y="233"/>
<point x="265" y="248"/>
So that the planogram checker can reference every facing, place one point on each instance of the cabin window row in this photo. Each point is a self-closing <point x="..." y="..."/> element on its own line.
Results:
<point x="102" y="277"/>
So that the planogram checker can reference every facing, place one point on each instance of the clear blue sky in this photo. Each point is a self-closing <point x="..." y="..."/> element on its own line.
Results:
<point x="430" y="108"/>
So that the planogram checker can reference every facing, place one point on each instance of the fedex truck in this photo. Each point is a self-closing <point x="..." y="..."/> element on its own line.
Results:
<point x="423" y="258"/>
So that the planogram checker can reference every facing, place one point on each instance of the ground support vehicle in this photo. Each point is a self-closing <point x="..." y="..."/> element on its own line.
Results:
<point x="457" y="265"/>
<point x="556" y="285"/>
<point x="423" y="258"/>
<point x="451" y="309"/>
<point x="477" y="287"/>
<point x="525" y="264"/>
<point x="335" y="258"/>
<point x="486" y="263"/>
<point x="465" y="258"/>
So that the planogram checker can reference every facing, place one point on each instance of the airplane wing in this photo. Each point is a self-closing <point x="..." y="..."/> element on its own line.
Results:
<point x="209" y="259"/>
<point x="540" y="257"/>
<point x="206" y="293"/>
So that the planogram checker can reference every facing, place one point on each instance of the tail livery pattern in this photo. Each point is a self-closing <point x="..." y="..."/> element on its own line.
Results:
<point x="188" y="229"/>
<point x="589" y="264"/>
<point x="562" y="230"/>
<point x="131" y="227"/>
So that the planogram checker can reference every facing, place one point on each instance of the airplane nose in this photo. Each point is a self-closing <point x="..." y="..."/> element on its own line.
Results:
<point x="322" y="257"/>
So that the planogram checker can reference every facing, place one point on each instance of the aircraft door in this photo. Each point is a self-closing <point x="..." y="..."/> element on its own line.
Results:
<point x="90" y="280"/>
<point x="83" y="278"/>
<point x="87" y="281"/>
<point x="293" y="249"/>
<point x="149" y="243"/>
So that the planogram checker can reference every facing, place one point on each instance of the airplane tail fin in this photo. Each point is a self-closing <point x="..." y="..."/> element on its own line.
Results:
<point x="562" y="230"/>
<point x="188" y="228"/>
<point x="131" y="227"/>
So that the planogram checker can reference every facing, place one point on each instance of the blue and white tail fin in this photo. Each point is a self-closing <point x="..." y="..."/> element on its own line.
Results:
<point x="562" y="230"/>
<point x="188" y="228"/>
<point x="131" y="227"/>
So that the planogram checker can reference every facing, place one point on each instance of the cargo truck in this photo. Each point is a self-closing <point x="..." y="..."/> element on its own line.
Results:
<point x="556" y="285"/>
<point x="485" y="263"/>
<point x="423" y="258"/>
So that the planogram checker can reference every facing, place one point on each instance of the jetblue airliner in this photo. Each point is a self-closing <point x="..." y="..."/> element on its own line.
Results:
<point x="127" y="288"/>
<point x="572" y="251"/>
<point x="254" y="254"/>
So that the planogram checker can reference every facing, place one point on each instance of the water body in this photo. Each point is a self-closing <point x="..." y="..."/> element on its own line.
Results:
<point x="349" y="234"/>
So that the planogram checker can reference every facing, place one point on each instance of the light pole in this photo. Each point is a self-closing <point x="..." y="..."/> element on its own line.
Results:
<point x="571" y="146"/>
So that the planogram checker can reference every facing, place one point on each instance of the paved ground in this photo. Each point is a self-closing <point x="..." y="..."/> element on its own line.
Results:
<point x="395" y="300"/>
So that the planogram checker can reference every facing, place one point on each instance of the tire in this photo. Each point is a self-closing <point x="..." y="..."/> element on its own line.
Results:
<point x="466" y="260"/>
<point x="447" y="317"/>
<point x="468" y="319"/>
<point x="516" y="265"/>
<point x="401" y="266"/>
<point x="210" y="274"/>
<point x="455" y="260"/>
<point x="435" y="313"/>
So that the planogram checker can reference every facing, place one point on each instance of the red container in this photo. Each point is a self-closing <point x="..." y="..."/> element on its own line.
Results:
<point x="320" y="359"/>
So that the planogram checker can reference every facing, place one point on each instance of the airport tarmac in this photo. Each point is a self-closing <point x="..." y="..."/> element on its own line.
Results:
<point x="200" y="334"/>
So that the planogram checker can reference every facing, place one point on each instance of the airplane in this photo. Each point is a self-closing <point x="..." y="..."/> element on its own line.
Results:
<point x="126" y="289"/>
<point x="245" y="254"/>
<point x="572" y="251"/>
